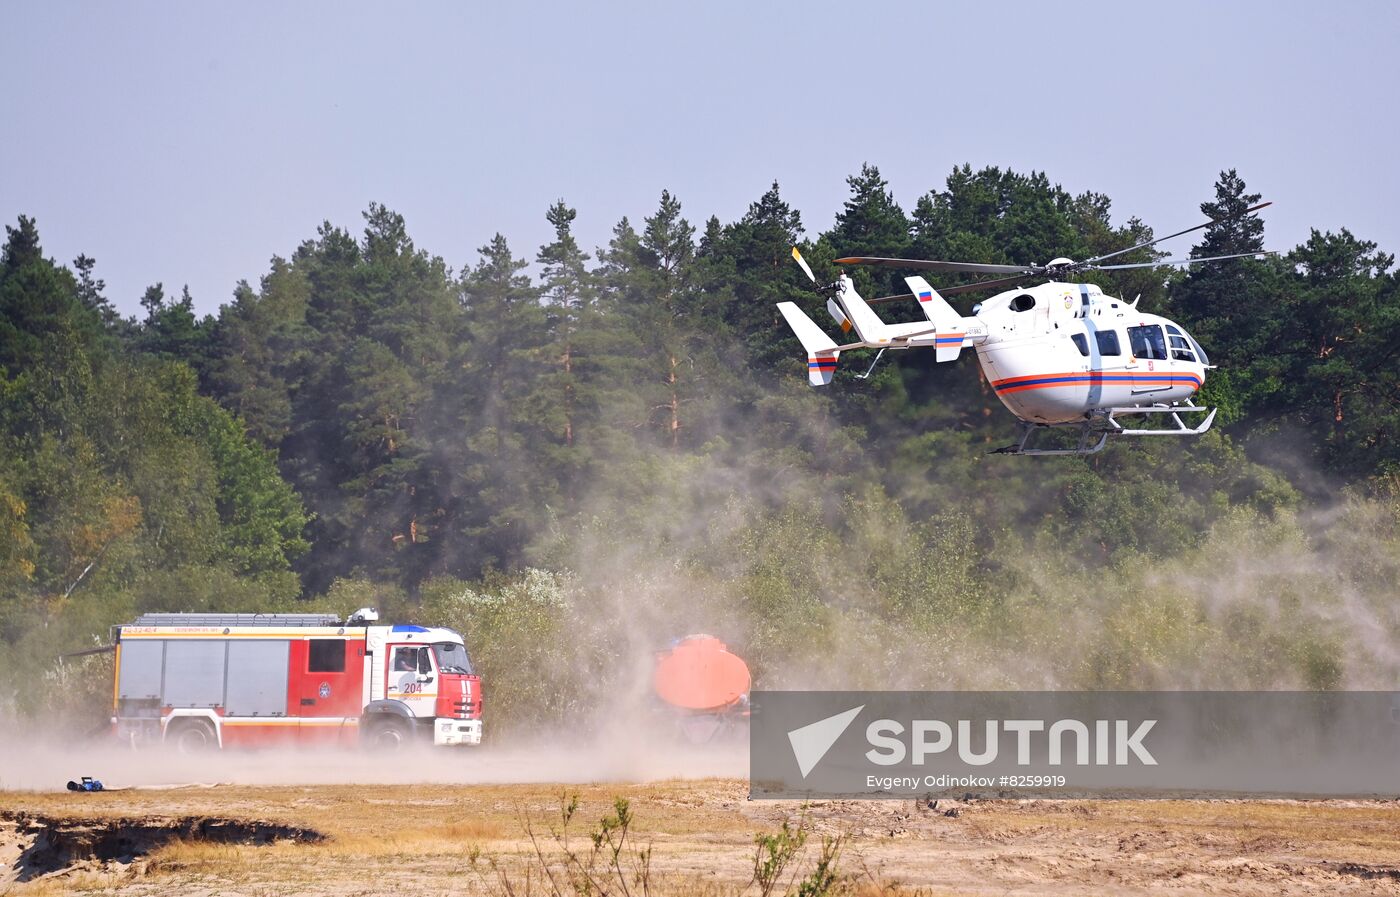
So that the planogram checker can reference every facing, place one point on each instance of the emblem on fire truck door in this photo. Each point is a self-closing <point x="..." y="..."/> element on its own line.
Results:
<point x="324" y="691"/>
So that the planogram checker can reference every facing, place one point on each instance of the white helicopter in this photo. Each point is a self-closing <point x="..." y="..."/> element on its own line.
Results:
<point x="1060" y="354"/>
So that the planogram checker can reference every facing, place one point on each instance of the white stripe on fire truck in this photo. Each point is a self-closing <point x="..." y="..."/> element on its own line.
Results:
<point x="256" y="633"/>
<point x="290" y="721"/>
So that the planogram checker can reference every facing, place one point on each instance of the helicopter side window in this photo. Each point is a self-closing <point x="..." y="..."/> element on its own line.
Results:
<point x="1147" y="342"/>
<point x="1023" y="302"/>
<point x="1108" y="342"/>
<point x="1081" y="342"/>
<point x="1181" y="349"/>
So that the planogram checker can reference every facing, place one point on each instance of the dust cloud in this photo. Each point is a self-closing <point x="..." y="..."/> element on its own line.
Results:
<point x="44" y="765"/>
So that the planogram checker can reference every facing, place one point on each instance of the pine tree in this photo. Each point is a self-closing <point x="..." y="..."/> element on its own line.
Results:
<point x="1339" y="378"/>
<point x="1226" y="304"/>
<point x="568" y="292"/>
<point x="172" y="330"/>
<point x="257" y="347"/>
<point x="501" y="366"/>
<point x="871" y="222"/>
<point x="1232" y="231"/>
<point x="665" y="256"/>
<point x="39" y="303"/>
<point x="748" y="267"/>
<point x="90" y="293"/>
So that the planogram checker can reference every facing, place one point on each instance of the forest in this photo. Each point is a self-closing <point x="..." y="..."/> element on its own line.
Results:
<point x="574" y="455"/>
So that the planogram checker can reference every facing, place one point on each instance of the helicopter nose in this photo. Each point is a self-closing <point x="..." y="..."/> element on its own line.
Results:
<point x="1200" y="372"/>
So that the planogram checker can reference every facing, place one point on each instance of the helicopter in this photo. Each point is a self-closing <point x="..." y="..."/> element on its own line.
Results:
<point x="1059" y="354"/>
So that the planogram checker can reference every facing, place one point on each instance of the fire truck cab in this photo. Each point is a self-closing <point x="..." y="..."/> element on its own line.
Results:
<point x="200" y="681"/>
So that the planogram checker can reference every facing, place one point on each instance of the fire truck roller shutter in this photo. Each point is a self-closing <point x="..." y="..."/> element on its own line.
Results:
<point x="194" y="673"/>
<point x="257" y="677"/>
<point x="142" y="661"/>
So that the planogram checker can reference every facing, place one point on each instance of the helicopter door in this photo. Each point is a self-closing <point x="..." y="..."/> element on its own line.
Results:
<point x="1106" y="358"/>
<point x="1152" y="372"/>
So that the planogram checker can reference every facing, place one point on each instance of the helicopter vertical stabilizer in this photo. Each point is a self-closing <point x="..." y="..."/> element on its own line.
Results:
<point x="943" y="316"/>
<point x="821" y="351"/>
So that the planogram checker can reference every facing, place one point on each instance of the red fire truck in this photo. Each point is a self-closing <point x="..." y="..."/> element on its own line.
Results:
<point x="199" y="681"/>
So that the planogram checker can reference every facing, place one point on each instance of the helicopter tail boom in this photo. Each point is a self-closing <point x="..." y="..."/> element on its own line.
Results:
<point x="822" y="352"/>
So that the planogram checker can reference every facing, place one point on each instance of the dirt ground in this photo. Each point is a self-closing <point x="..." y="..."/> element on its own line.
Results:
<point x="476" y="839"/>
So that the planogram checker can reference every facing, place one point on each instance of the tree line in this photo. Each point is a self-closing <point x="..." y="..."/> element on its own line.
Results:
<point x="366" y="419"/>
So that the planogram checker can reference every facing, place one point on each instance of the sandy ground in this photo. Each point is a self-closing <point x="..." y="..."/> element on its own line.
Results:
<point x="627" y="755"/>
<point x="372" y="839"/>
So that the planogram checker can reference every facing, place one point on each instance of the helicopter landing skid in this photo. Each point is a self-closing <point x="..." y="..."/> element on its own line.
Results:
<point x="1094" y="432"/>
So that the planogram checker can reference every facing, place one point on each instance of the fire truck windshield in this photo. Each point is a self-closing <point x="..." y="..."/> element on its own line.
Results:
<point x="452" y="657"/>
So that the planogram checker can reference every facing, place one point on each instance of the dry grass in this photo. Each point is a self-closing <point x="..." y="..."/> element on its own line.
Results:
<point x="77" y="881"/>
<point x="428" y="839"/>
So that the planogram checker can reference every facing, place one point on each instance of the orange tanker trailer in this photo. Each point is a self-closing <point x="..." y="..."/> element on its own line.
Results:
<point x="703" y="686"/>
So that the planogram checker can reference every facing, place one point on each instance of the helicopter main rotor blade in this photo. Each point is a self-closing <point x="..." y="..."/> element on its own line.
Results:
<point x="1188" y="230"/>
<point x="928" y="265"/>
<point x="806" y="269"/>
<point x="896" y="298"/>
<point x="953" y="291"/>
<point x="984" y="285"/>
<point x="1213" y="258"/>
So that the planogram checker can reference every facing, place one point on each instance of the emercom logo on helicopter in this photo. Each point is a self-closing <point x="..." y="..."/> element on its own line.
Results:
<point x="1061" y="354"/>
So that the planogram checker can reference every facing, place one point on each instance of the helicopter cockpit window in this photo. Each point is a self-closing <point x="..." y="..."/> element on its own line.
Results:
<point x="1181" y="349"/>
<point x="1081" y="342"/>
<point x="1200" y="353"/>
<point x="1186" y="343"/>
<point x="1147" y="342"/>
<point x="1108" y="342"/>
<point x="1023" y="302"/>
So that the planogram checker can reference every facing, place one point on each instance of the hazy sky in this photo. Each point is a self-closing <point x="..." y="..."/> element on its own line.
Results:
<point x="190" y="142"/>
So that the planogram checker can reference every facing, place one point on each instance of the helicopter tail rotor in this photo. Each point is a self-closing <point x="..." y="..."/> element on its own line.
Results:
<point x="834" y="309"/>
<point x="802" y="263"/>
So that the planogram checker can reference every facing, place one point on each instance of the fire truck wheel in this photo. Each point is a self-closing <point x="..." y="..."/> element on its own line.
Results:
<point x="389" y="734"/>
<point x="191" y="736"/>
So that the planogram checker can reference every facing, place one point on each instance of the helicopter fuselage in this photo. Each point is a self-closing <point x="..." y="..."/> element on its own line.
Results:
<point x="1053" y="353"/>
